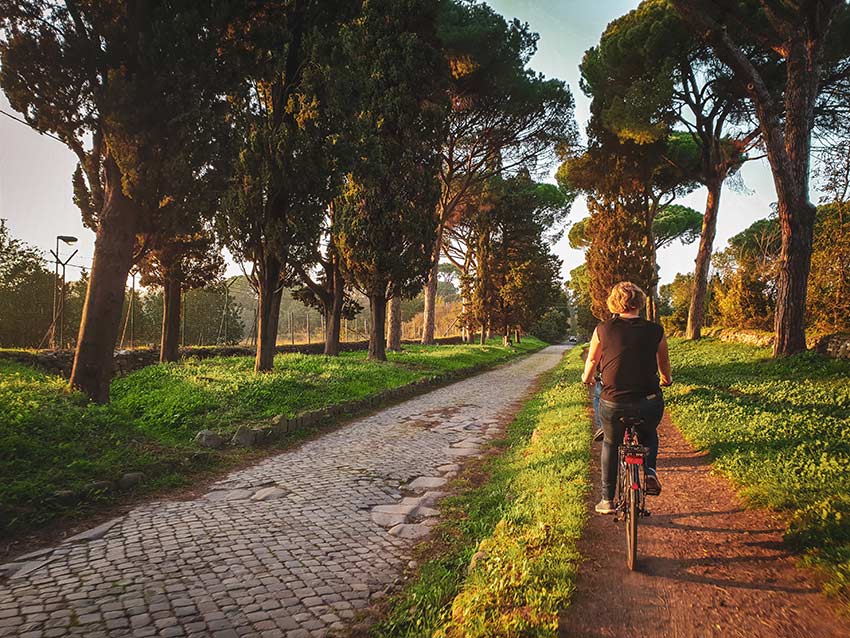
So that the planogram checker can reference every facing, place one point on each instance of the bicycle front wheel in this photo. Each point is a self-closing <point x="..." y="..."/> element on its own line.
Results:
<point x="632" y="521"/>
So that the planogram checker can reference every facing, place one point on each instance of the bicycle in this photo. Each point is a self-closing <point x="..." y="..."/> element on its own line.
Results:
<point x="631" y="482"/>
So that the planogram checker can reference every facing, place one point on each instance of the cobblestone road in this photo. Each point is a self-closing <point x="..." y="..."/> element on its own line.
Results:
<point x="293" y="546"/>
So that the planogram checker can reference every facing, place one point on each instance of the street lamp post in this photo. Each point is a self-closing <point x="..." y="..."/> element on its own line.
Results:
<point x="59" y="308"/>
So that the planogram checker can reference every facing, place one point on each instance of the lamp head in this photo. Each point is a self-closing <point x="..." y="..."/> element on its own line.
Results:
<point x="68" y="239"/>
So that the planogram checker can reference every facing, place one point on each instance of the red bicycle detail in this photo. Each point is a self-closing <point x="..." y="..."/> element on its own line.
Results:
<point x="631" y="494"/>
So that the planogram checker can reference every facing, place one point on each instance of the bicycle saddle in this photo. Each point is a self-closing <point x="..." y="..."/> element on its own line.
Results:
<point x="632" y="421"/>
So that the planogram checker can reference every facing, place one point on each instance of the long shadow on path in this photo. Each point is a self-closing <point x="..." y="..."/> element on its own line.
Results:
<point x="707" y="567"/>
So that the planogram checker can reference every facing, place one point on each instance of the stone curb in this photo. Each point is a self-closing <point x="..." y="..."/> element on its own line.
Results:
<point x="281" y="426"/>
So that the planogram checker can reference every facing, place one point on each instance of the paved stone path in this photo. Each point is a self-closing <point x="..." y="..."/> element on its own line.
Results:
<point x="293" y="546"/>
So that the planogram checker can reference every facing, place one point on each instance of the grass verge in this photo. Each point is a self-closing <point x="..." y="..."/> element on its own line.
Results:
<point x="515" y="519"/>
<point x="52" y="439"/>
<point x="780" y="430"/>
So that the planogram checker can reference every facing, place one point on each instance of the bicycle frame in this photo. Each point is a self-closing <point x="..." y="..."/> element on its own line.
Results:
<point x="631" y="479"/>
<point x="631" y="471"/>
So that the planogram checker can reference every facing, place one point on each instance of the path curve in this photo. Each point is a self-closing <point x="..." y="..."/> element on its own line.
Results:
<point x="707" y="567"/>
<point x="293" y="546"/>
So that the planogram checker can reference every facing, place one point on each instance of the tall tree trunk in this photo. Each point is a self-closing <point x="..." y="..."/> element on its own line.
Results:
<point x="696" y="311"/>
<point x="377" y="343"/>
<point x="652" y="292"/>
<point x="333" y="317"/>
<point x="484" y="329"/>
<point x="651" y="306"/>
<point x="113" y="256"/>
<point x="170" y="341"/>
<point x="516" y="334"/>
<point x="796" y="212"/>
<point x="394" y="339"/>
<point x="465" y="332"/>
<point x="429" y="314"/>
<point x="269" y="295"/>
<point x="795" y="264"/>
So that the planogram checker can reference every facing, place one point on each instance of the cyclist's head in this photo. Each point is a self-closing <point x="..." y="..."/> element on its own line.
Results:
<point x="626" y="297"/>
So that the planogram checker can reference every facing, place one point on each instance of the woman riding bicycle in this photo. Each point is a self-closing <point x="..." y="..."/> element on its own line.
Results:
<point x="631" y="354"/>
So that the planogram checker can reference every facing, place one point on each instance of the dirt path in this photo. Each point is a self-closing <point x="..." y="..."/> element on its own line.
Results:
<point x="706" y="568"/>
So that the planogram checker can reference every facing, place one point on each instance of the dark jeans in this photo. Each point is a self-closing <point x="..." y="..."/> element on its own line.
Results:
<point x="650" y="410"/>
<point x="597" y="395"/>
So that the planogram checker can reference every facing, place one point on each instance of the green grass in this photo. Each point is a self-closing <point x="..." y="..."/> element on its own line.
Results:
<point x="522" y="522"/>
<point x="51" y="439"/>
<point x="780" y="430"/>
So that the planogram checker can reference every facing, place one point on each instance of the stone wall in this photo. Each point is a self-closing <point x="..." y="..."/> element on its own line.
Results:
<point x="126" y="361"/>
<point x="759" y="338"/>
<point x="836" y="346"/>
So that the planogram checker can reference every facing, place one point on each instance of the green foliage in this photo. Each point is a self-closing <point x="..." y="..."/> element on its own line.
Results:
<point x="285" y="160"/>
<point x="500" y="108"/>
<point x="828" y="298"/>
<point x="154" y="105"/>
<point x="552" y="326"/>
<point x="51" y="439"/>
<point x="676" y="296"/>
<point x="522" y="524"/>
<point x="26" y="292"/>
<point x="650" y="73"/>
<point x="671" y="223"/>
<point x="581" y="301"/>
<point x="385" y="220"/>
<point x="517" y="277"/>
<point x="628" y="186"/>
<point x="676" y="222"/>
<point x="780" y="430"/>
<point x="744" y="292"/>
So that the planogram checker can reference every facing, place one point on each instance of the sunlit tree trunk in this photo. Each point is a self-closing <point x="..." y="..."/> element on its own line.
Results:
<point x="429" y="314"/>
<point x="394" y="340"/>
<point x="170" y="340"/>
<point x="377" y="343"/>
<point x="696" y="311"/>
<point x="269" y="296"/>
<point x="113" y="255"/>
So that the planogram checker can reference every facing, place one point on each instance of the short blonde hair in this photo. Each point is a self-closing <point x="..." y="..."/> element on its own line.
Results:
<point x="626" y="297"/>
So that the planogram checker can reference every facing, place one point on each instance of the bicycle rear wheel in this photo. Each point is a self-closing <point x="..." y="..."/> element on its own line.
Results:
<point x="632" y="520"/>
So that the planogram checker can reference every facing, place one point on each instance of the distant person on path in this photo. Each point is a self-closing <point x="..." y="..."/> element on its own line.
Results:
<point x="631" y="355"/>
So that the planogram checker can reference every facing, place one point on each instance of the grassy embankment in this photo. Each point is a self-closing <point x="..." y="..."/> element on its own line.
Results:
<point x="780" y="430"/>
<point x="51" y="439"/>
<point x="519" y="513"/>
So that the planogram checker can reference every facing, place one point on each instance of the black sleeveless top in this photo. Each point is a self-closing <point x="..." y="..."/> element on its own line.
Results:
<point x="628" y="363"/>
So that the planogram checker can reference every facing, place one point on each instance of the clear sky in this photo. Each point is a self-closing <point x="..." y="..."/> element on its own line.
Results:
<point x="35" y="171"/>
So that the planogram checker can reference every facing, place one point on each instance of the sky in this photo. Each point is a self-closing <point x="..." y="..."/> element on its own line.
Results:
<point x="35" y="170"/>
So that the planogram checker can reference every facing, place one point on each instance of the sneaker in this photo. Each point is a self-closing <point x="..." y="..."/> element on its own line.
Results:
<point x="599" y="435"/>
<point x="653" y="485"/>
<point x="605" y="506"/>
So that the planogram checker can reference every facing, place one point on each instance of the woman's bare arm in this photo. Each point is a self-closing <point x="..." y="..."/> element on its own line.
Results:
<point x="592" y="359"/>
<point x="663" y="357"/>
